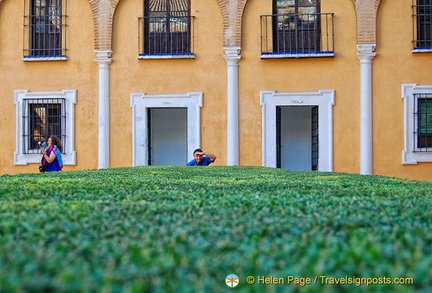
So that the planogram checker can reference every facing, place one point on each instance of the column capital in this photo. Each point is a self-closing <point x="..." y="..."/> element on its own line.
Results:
<point x="103" y="56"/>
<point x="366" y="52"/>
<point x="232" y="54"/>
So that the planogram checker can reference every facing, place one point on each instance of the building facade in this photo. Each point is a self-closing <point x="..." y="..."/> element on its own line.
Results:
<point x="325" y="85"/>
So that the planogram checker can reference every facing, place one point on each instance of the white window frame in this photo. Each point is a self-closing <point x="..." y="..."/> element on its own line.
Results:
<point x="324" y="99"/>
<point x="140" y="102"/>
<point x="409" y="155"/>
<point x="69" y="156"/>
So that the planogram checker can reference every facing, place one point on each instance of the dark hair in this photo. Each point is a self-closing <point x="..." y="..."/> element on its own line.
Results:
<point x="56" y="141"/>
<point x="197" y="150"/>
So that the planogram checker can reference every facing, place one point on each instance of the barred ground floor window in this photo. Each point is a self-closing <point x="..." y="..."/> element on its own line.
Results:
<point x="418" y="123"/>
<point x="41" y="119"/>
<point x="40" y="115"/>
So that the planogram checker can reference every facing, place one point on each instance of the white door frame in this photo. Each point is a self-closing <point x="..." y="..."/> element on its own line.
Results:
<point x="324" y="99"/>
<point x="140" y="102"/>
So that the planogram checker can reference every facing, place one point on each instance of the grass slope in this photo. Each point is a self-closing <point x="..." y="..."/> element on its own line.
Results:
<point x="179" y="229"/>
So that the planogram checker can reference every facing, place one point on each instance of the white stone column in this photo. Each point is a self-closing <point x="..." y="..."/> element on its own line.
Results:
<point x="233" y="57"/>
<point x="366" y="54"/>
<point x="104" y="61"/>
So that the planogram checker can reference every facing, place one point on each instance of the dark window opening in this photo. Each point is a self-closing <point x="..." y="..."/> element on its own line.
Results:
<point x="424" y="122"/>
<point x="167" y="28"/>
<point x="297" y="27"/>
<point x="43" y="118"/>
<point x="45" y="29"/>
<point x="422" y="16"/>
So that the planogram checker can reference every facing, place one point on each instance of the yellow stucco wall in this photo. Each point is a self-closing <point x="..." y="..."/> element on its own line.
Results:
<point x="393" y="66"/>
<point x="340" y="73"/>
<point x="79" y="72"/>
<point x="206" y="73"/>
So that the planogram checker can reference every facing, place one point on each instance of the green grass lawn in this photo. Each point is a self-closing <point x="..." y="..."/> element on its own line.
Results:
<point x="185" y="229"/>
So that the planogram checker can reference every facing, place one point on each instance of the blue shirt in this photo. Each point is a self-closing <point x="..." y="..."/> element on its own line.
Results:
<point x="205" y="161"/>
<point x="57" y="164"/>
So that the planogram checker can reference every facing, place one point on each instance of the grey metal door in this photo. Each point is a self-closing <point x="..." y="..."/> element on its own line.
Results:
<point x="167" y="136"/>
<point x="297" y="137"/>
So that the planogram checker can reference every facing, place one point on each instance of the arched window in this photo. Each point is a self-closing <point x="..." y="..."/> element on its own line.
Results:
<point x="167" y="27"/>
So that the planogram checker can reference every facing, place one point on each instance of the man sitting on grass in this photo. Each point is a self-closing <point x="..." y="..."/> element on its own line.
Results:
<point x="201" y="158"/>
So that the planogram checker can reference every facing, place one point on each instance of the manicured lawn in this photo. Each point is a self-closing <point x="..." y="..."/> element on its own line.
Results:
<point x="185" y="229"/>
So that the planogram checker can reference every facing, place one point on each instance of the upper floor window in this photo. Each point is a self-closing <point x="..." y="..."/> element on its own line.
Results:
<point x="166" y="29"/>
<point x="422" y="16"/>
<point x="45" y="30"/>
<point x="297" y="29"/>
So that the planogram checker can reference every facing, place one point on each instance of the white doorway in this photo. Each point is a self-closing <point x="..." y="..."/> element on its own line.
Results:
<point x="303" y="123"/>
<point x="165" y="128"/>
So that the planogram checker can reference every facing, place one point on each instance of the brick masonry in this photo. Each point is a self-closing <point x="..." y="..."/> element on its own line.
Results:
<point x="103" y="14"/>
<point x="366" y="13"/>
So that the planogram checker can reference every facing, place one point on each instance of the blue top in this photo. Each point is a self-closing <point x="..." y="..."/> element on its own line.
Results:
<point x="57" y="164"/>
<point x="205" y="161"/>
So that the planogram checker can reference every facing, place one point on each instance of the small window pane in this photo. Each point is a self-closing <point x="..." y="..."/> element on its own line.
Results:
<point x="285" y="6"/>
<point x="308" y="2"/>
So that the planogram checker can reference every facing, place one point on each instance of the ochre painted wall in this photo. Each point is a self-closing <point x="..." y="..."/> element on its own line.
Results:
<point x="340" y="73"/>
<point x="393" y="66"/>
<point x="206" y="74"/>
<point x="80" y="72"/>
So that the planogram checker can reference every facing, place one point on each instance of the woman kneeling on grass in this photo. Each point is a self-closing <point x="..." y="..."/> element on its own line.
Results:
<point x="52" y="155"/>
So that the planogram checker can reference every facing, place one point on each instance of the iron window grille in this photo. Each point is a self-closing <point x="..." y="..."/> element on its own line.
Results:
<point x="422" y="31"/>
<point x="45" y="30"/>
<point x="297" y="35"/>
<point x="423" y="122"/>
<point x="166" y="30"/>
<point x="43" y="118"/>
<point x="297" y="29"/>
